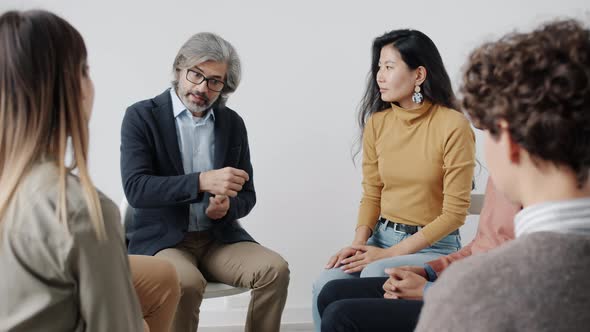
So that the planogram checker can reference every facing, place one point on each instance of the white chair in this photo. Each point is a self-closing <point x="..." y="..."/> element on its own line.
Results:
<point x="214" y="289"/>
<point x="469" y="229"/>
<point x="476" y="204"/>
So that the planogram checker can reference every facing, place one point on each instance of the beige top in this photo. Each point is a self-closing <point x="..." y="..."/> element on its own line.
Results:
<point x="417" y="168"/>
<point x="59" y="280"/>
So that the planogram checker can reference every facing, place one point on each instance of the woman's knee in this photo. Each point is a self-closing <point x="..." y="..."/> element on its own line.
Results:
<point x="319" y="283"/>
<point x="376" y="269"/>
<point x="327" y="276"/>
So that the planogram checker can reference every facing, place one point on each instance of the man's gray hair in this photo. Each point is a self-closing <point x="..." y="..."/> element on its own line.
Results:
<point x="207" y="46"/>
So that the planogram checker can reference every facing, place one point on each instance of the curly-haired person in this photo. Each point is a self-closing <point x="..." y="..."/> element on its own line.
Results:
<point x="530" y="93"/>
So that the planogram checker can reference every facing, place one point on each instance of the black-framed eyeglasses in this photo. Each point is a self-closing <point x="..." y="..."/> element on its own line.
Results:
<point x="197" y="78"/>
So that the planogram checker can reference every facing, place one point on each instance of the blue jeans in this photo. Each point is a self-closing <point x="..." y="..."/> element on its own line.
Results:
<point x="384" y="237"/>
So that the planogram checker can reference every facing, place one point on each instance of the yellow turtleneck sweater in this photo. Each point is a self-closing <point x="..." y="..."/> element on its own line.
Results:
<point x="417" y="169"/>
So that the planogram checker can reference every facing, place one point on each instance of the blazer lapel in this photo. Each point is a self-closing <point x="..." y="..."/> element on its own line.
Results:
<point x="221" y="138"/>
<point x="165" y="119"/>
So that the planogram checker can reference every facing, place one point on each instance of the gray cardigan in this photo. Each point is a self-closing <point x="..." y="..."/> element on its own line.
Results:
<point x="58" y="279"/>
<point x="538" y="282"/>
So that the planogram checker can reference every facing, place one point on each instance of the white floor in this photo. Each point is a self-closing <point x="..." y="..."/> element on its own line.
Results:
<point x="294" y="327"/>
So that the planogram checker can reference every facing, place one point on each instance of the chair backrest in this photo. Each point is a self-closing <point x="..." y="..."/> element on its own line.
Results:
<point x="126" y="212"/>
<point x="476" y="204"/>
<point x="469" y="229"/>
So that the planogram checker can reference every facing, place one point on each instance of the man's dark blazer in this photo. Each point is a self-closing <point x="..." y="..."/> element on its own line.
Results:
<point x="157" y="187"/>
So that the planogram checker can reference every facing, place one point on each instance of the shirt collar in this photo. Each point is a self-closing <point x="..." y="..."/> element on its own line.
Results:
<point x="178" y="107"/>
<point x="570" y="216"/>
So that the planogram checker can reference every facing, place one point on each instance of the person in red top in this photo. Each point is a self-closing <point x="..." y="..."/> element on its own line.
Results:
<point x="489" y="235"/>
<point x="370" y="304"/>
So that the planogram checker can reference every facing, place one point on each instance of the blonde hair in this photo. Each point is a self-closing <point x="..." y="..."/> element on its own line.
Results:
<point x="42" y="60"/>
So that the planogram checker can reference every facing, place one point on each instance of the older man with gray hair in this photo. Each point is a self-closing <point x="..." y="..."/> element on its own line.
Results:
<point x="186" y="171"/>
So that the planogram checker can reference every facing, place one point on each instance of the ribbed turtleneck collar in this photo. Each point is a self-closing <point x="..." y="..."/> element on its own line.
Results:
<point x="409" y="117"/>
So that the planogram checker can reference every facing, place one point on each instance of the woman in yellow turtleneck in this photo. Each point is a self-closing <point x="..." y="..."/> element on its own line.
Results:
<point x="418" y="161"/>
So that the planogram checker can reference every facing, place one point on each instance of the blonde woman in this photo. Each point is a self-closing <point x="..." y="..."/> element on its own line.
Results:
<point x="63" y="261"/>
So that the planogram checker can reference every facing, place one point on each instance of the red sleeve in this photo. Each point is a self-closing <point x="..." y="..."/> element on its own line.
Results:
<point x="440" y="264"/>
<point x="496" y="226"/>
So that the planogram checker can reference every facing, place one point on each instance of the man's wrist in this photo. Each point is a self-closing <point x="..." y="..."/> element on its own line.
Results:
<point x="202" y="182"/>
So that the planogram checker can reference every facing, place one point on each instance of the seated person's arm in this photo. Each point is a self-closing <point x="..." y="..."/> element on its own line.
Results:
<point x="244" y="200"/>
<point x="143" y="187"/>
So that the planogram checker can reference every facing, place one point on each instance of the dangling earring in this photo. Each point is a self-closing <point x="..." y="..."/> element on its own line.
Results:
<point x="417" y="97"/>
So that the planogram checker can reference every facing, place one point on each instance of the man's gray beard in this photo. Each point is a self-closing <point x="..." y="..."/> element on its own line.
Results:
<point x="194" y="108"/>
<point x="198" y="109"/>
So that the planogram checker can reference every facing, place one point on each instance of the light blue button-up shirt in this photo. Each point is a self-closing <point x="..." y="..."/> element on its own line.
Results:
<point x="196" y="140"/>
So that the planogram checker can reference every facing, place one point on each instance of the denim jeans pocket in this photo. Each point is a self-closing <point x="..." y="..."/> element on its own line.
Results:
<point x="385" y="237"/>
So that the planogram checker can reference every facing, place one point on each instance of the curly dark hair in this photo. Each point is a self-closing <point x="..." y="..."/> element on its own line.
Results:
<point x="538" y="82"/>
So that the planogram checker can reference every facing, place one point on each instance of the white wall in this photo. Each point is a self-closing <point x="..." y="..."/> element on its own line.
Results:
<point x="305" y="64"/>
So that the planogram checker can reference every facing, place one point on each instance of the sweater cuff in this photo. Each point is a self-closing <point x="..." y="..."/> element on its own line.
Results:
<point x="430" y="273"/>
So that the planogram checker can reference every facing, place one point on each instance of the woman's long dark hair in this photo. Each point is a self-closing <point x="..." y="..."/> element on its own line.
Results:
<point x="416" y="50"/>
